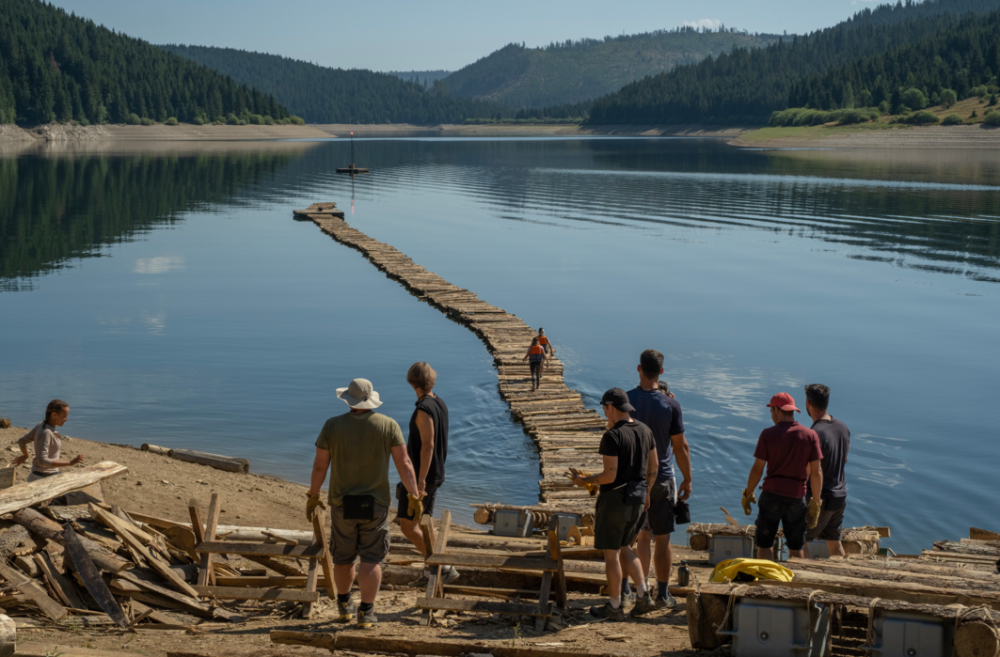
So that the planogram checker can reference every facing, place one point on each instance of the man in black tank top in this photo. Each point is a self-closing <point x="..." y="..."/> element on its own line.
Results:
<point x="427" y="447"/>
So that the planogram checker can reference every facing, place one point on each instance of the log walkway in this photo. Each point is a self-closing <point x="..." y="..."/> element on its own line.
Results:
<point x="567" y="432"/>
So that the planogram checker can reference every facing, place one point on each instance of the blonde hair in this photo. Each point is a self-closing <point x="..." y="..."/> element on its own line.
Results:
<point x="421" y="375"/>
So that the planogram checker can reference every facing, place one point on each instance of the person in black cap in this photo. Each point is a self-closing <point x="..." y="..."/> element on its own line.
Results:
<point x="630" y="467"/>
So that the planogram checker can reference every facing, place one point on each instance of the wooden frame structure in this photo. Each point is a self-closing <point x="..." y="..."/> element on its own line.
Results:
<point x="549" y="564"/>
<point x="267" y="553"/>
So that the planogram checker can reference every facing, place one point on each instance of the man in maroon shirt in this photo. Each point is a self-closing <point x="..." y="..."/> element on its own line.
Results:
<point x="792" y="455"/>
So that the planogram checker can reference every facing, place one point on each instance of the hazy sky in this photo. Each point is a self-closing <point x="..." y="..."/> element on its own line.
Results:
<point x="432" y="34"/>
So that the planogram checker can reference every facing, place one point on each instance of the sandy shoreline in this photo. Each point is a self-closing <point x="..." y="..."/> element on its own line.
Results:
<point x="14" y="139"/>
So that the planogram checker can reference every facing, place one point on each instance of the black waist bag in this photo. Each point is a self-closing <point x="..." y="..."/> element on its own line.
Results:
<point x="635" y="491"/>
<point x="359" y="507"/>
<point x="682" y="513"/>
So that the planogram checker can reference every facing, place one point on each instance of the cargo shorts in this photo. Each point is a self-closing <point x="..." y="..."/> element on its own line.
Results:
<point x="350" y="539"/>
<point x="615" y="522"/>
<point x="659" y="518"/>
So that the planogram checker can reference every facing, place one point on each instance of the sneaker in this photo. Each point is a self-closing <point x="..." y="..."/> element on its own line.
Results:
<point x="367" y="619"/>
<point x="628" y="597"/>
<point x="346" y="610"/>
<point x="643" y="606"/>
<point x="668" y="602"/>
<point x="450" y="575"/>
<point x="609" y="612"/>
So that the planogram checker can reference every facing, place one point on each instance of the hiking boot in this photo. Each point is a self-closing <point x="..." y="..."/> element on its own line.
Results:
<point x="628" y="597"/>
<point x="367" y="619"/>
<point x="346" y="611"/>
<point x="420" y="582"/>
<point x="643" y="606"/>
<point x="609" y="612"/>
<point x="449" y="575"/>
<point x="665" y="603"/>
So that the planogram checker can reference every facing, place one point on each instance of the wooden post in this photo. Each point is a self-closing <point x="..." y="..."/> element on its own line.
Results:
<point x="206" y="576"/>
<point x="555" y="553"/>
<point x="327" y="560"/>
<point x="427" y="525"/>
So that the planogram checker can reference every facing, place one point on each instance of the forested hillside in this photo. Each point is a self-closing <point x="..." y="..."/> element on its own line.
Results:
<point x="746" y="85"/>
<point x="576" y="71"/>
<point x="425" y="78"/>
<point x="333" y="95"/>
<point x="960" y="58"/>
<point x="55" y="66"/>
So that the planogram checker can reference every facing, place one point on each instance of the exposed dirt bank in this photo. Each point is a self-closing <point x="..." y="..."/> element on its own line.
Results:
<point x="861" y="137"/>
<point x="183" y="132"/>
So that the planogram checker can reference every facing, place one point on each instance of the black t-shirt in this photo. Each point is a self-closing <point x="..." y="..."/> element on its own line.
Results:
<point x="835" y="441"/>
<point x="631" y="442"/>
<point x="438" y="410"/>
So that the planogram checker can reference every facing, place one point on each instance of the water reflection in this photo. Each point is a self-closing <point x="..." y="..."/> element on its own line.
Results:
<point x="55" y="209"/>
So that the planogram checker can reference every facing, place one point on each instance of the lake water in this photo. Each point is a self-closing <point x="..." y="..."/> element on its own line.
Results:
<point x="168" y="296"/>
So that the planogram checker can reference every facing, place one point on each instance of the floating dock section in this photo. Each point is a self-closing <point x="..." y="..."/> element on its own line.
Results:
<point x="567" y="432"/>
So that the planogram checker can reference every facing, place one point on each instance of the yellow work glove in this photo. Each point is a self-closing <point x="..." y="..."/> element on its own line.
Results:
<point x="311" y="505"/>
<point x="415" y="508"/>
<point x="815" y="506"/>
<point x="747" y="501"/>
<point x="572" y="473"/>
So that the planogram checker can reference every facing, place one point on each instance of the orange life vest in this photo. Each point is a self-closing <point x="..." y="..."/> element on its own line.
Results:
<point x="536" y="349"/>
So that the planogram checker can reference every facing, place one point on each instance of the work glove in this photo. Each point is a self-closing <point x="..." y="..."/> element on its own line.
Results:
<point x="592" y="488"/>
<point x="813" y="512"/>
<point x="416" y="507"/>
<point x="311" y="505"/>
<point x="747" y="501"/>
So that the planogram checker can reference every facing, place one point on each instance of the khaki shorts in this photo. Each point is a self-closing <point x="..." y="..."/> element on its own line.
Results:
<point x="350" y="539"/>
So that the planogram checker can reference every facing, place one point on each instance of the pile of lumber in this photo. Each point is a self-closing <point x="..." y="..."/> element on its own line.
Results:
<point x="980" y="551"/>
<point x="69" y="559"/>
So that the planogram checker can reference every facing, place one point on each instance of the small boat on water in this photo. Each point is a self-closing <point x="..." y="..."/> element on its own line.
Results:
<point x="352" y="169"/>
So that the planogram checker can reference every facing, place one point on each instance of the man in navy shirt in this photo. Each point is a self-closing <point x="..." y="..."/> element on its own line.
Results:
<point x="662" y="414"/>
<point x="835" y="441"/>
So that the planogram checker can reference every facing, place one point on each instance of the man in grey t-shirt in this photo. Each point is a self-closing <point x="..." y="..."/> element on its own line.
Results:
<point x="835" y="442"/>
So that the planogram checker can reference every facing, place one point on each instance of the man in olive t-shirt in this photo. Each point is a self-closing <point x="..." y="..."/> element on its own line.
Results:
<point x="356" y="447"/>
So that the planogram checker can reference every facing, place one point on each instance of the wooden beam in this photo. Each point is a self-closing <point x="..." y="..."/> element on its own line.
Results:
<point x="249" y="593"/>
<point x="488" y="561"/>
<point x="367" y="643"/>
<point x="123" y="531"/>
<point x="21" y="496"/>
<point x="487" y="606"/>
<point x="208" y="548"/>
<point x="206" y="574"/>
<point x="38" y="524"/>
<point x="64" y="589"/>
<point x="326" y="561"/>
<point x="34" y="592"/>
<point x="983" y="534"/>
<point x="277" y="566"/>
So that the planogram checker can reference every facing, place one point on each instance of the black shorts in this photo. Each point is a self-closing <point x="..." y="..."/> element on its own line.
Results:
<point x="831" y="519"/>
<point x="403" y="510"/>
<point x="659" y="519"/>
<point x="789" y="512"/>
<point x="615" y="523"/>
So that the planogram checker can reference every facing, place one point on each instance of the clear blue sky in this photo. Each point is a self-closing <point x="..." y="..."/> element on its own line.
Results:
<point x="432" y="34"/>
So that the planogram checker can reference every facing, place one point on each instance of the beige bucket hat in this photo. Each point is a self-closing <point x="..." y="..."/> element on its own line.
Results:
<point x="360" y="394"/>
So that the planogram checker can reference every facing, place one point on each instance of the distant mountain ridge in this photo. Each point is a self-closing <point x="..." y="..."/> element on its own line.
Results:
<point x="332" y="95"/>
<point x="746" y="85"/>
<point x="55" y="66"/>
<point x="577" y="71"/>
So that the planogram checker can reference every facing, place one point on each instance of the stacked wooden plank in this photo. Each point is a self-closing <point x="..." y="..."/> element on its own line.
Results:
<point x="565" y="430"/>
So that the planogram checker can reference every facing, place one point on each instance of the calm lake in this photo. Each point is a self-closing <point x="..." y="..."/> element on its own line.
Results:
<point x="170" y="298"/>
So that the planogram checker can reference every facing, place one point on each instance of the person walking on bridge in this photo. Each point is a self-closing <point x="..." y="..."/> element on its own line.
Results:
<point x="630" y="465"/>
<point x="835" y="441"/>
<point x="536" y="360"/>
<point x="427" y="448"/>
<point x="662" y="414"/>
<point x="356" y="447"/>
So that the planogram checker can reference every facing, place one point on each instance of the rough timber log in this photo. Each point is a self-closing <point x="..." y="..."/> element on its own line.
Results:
<point x="38" y="524"/>
<point x="227" y="463"/>
<point x="22" y="496"/>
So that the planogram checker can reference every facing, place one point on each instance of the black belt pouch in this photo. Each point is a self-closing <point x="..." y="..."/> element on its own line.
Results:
<point x="359" y="507"/>
<point x="635" y="492"/>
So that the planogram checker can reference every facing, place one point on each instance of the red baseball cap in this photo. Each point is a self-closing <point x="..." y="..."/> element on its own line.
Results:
<point x="784" y="401"/>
